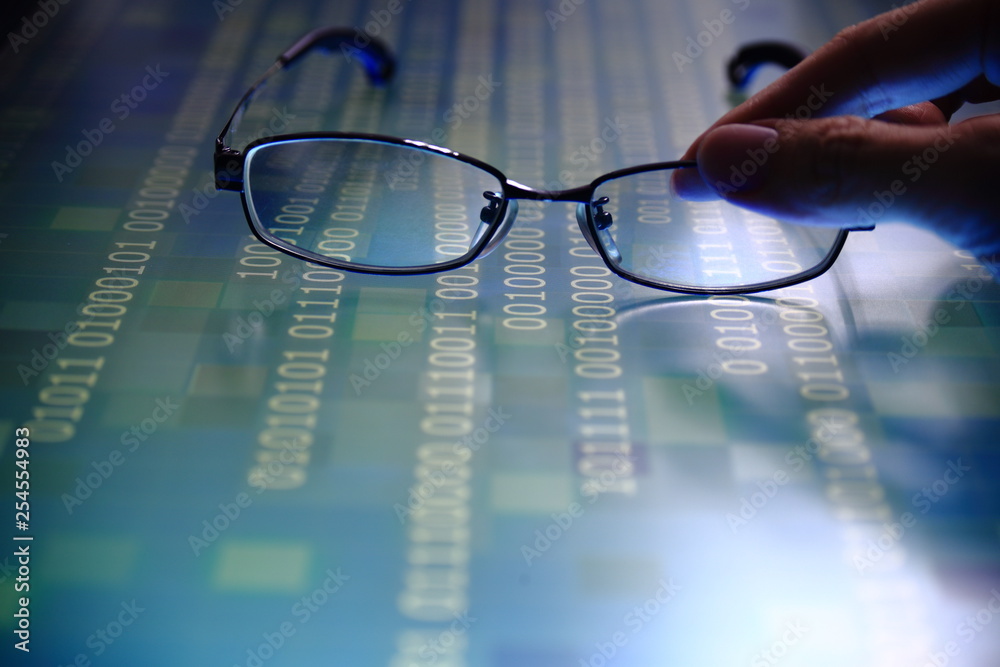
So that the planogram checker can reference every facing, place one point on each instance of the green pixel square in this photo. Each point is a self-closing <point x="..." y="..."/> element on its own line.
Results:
<point x="271" y="567"/>
<point x="92" y="560"/>
<point x="206" y="412"/>
<point x="527" y="389"/>
<point x="220" y="380"/>
<point x="108" y="177"/>
<point x="175" y="320"/>
<point x="6" y="433"/>
<point x="935" y="399"/>
<point x="531" y="493"/>
<point x="133" y="407"/>
<point x="671" y="421"/>
<point x="391" y="301"/>
<point x="189" y="294"/>
<point x="86" y="218"/>
<point x="383" y="327"/>
<point x="632" y="578"/>
<point x="36" y="316"/>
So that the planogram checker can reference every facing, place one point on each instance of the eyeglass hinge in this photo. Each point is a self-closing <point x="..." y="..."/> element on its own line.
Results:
<point x="228" y="169"/>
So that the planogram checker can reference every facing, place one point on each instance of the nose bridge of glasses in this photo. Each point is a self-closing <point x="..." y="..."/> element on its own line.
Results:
<point x="515" y="190"/>
<point x="585" y="211"/>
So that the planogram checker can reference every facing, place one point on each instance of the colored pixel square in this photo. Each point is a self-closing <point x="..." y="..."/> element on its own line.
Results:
<point x="934" y="399"/>
<point x="223" y="380"/>
<point x="606" y="576"/>
<point x="384" y="328"/>
<point x="257" y="566"/>
<point x="394" y="301"/>
<point x="185" y="293"/>
<point x="531" y="492"/>
<point x="36" y="316"/>
<point x="86" y="218"/>
<point x="672" y="420"/>
<point x="97" y="560"/>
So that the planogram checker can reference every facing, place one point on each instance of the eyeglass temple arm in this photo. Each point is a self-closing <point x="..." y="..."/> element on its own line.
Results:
<point x="745" y="63"/>
<point x="373" y="54"/>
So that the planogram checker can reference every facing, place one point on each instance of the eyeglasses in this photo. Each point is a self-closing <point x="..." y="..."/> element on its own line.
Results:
<point x="386" y="205"/>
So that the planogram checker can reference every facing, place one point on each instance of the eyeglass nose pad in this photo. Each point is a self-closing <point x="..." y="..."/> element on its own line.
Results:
<point x="581" y="220"/>
<point x="488" y="216"/>
<point x="602" y="223"/>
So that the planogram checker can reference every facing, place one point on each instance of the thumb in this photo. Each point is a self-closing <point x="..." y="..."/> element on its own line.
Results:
<point x="851" y="172"/>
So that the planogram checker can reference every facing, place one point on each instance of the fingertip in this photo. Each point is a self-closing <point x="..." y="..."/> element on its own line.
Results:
<point x="924" y="113"/>
<point x="734" y="158"/>
<point x="687" y="183"/>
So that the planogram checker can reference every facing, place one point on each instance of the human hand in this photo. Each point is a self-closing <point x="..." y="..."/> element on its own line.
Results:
<point x="858" y="132"/>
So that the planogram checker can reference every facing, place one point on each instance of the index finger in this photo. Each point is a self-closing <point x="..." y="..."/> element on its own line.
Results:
<point x="908" y="55"/>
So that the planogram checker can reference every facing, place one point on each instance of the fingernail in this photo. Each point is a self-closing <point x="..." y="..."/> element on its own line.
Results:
<point x="686" y="183"/>
<point x="736" y="158"/>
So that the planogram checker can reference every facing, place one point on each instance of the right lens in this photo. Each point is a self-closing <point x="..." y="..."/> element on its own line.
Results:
<point x="651" y="234"/>
<point x="369" y="204"/>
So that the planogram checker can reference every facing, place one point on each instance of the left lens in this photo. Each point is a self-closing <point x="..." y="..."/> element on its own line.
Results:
<point x="368" y="204"/>
<point x="649" y="233"/>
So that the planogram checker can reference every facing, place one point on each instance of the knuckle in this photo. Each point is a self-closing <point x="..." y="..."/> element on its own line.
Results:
<point x="847" y="38"/>
<point x="852" y="48"/>
<point x="831" y="149"/>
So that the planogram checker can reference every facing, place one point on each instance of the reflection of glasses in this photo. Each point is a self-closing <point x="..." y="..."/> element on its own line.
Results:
<point x="385" y="205"/>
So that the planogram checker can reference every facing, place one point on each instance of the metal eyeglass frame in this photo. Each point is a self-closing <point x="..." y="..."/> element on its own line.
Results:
<point x="379" y="64"/>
